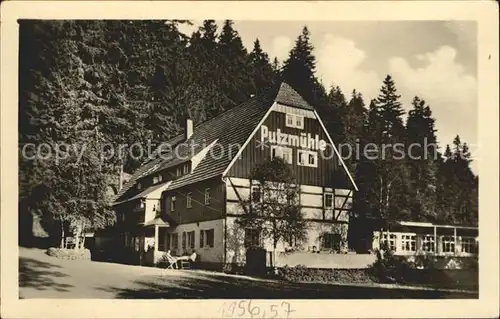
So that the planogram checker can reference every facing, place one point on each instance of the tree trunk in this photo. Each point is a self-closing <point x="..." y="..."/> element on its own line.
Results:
<point x="121" y="175"/>
<point x="62" y="245"/>
<point x="77" y="235"/>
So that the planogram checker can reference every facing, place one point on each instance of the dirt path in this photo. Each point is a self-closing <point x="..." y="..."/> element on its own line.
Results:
<point x="42" y="276"/>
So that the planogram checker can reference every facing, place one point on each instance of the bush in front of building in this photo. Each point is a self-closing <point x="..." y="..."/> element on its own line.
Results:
<point x="389" y="268"/>
<point x="301" y="273"/>
<point x="64" y="253"/>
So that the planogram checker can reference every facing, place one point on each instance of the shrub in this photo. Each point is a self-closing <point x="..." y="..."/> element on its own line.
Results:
<point x="388" y="267"/>
<point x="301" y="273"/>
<point x="64" y="253"/>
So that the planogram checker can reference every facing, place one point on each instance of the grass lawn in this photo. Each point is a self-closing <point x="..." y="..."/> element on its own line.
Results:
<point x="42" y="276"/>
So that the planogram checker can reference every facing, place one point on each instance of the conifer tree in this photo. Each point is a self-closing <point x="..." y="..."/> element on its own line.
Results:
<point x="422" y="161"/>
<point x="262" y="73"/>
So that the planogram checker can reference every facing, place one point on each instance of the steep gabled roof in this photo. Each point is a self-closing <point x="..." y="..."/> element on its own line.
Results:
<point x="288" y="96"/>
<point x="230" y="129"/>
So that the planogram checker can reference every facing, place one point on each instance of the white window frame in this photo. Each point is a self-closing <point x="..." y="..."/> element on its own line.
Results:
<point x="428" y="241"/>
<point x="448" y="244"/>
<point x="468" y="245"/>
<point x="189" y="200"/>
<point x="172" y="203"/>
<point x="306" y="154"/>
<point x="301" y="125"/>
<point x="391" y="242"/>
<point x="294" y="118"/>
<point x="325" y="201"/>
<point x="409" y="242"/>
<point x="207" y="196"/>
<point x="280" y="150"/>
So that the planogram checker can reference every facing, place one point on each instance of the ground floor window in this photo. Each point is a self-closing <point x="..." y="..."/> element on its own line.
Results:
<point x="162" y="232"/>
<point x="408" y="242"/>
<point x="168" y="241"/>
<point x="209" y="237"/>
<point x="137" y="243"/>
<point x="428" y="243"/>
<point x="175" y="241"/>
<point x="252" y="238"/>
<point x="190" y="239"/>
<point x="331" y="241"/>
<point x="388" y="240"/>
<point x="468" y="245"/>
<point x="448" y="244"/>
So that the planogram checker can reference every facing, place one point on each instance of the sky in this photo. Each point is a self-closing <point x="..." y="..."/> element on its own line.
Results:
<point x="436" y="60"/>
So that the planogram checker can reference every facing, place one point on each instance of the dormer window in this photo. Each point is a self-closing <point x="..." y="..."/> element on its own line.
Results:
<point x="179" y="171"/>
<point x="155" y="179"/>
<point x="139" y="186"/>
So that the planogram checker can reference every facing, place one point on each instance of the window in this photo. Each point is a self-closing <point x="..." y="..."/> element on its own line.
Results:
<point x="190" y="239"/>
<point x="256" y="195"/>
<point x="172" y="204"/>
<point x="328" y="200"/>
<point x="186" y="169"/>
<point x="175" y="241"/>
<point x="207" y="196"/>
<point x="137" y="243"/>
<point x="428" y="243"/>
<point x="391" y="243"/>
<point x="307" y="158"/>
<point x="284" y="152"/>
<point x="331" y="241"/>
<point x="168" y="241"/>
<point x="162" y="232"/>
<point x="299" y="121"/>
<point x="160" y="178"/>
<point x="155" y="179"/>
<point x="139" y="186"/>
<point x="202" y="242"/>
<point x="408" y="242"/>
<point x="296" y="121"/>
<point x="468" y="245"/>
<point x="183" y="240"/>
<point x="179" y="171"/>
<point x="312" y="159"/>
<point x="252" y="238"/>
<point x="209" y="234"/>
<point x="448" y="244"/>
<point x="189" y="199"/>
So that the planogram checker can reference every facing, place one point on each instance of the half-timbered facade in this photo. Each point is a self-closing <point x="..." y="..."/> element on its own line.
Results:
<point x="187" y="197"/>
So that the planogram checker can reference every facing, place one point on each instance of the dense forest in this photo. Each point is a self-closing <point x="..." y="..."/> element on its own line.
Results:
<point x="104" y="83"/>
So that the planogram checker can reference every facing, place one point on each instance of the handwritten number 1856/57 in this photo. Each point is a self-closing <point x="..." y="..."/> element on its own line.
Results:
<point x="248" y="308"/>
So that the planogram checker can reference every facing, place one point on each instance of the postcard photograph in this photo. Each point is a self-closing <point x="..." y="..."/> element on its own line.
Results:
<point x="244" y="159"/>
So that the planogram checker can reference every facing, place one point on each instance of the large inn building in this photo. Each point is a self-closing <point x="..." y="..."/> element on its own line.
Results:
<point x="189" y="195"/>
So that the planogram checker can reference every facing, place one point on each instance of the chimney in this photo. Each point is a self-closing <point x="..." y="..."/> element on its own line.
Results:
<point x="188" y="131"/>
